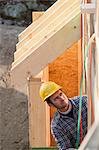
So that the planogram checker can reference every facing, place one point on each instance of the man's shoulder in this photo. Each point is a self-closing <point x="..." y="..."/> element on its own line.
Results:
<point x="76" y="99"/>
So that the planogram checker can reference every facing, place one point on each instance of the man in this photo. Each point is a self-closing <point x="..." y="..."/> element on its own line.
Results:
<point x="64" y="123"/>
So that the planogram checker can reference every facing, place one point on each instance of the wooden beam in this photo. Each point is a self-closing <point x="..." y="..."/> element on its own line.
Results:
<point x="51" y="27"/>
<point x="96" y="90"/>
<point x="39" y="116"/>
<point x="39" y="112"/>
<point x="97" y="47"/>
<point x="39" y="21"/>
<point x="97" y="52"/>
<point x="48" y="50"/>
<point x="79" y="65"/>
<point x="46" y="23"/>
<point x="88" y="8"/>
<point x="88" y="136"/>
<point x="44" y="74"/>
<point x="36" y="15"/>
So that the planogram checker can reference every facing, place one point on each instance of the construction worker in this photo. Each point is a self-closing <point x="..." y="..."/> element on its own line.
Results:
<point x="64" y="122"/>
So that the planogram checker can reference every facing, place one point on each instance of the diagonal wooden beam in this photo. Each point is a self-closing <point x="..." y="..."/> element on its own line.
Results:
<point x="39" y="21"/>
<point x="50" y="27"/>
<point x="44" y="22"/>
<point x="48" y="50"/>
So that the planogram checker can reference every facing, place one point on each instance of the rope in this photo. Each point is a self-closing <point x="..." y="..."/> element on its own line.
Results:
<point x="79" y="115"/>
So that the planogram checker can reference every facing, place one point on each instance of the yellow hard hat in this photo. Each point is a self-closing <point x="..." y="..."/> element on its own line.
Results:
<point x="47" y="89"/>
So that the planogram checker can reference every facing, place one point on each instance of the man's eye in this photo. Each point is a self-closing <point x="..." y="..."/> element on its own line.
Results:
<point x="57" y="97"/>
<point x="60" y="94"/>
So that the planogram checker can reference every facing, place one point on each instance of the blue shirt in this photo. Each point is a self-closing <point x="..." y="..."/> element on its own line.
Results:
<point x="64" y="127"/>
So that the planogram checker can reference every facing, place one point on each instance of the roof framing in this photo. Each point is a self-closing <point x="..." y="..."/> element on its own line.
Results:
<point x="58" y="35"/>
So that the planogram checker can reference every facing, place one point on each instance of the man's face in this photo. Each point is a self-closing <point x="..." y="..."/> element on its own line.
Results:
<point x="59" y="99"/>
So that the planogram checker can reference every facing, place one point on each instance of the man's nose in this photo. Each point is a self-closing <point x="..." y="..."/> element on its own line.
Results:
<point x="61" y="97"/>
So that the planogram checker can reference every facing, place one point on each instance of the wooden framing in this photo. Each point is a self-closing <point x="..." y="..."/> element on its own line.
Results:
<point x="38" y="23"/>
<point x="39" y="112"/>
<point x="41" y="49"/>
<point x="87" y="30"/>
<point x="46" y="27"/>
<point x="34" y="61"/>
<point x="43" y="23"/>
<point x="96" y="88"/>
<point x="36" y="15"/>
<point x="88" y="8"/>
<point x="79" y="65"/>
<point x="59" y="36"/>
<point x="39" y="116"/>
<point x="97" y="45"/>
<point x="88" y="136"/>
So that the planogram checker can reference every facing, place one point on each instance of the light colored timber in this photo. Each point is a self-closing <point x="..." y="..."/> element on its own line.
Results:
<point x="97" y="45"/>
<point x="38" y="31"/>
<point x="39" y="21"/>
<point x="48" y="50"/>
<point x="44" y="74"/>
<point x="88" y="8"/>
<point x="55" y="29"/>
<point x="36" y="15"/>
<point x="88" y="136"/>
<point x="52" y="26"/>
<point x="39" y="116"/>
<point x="39" y="126"/>
<point x="92" y="129"/>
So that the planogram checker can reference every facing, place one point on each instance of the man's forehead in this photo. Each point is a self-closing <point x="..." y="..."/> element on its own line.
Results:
<point x="55" y="94"/>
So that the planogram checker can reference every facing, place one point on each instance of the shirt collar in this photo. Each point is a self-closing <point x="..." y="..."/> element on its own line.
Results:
<point x="72" y="102"/>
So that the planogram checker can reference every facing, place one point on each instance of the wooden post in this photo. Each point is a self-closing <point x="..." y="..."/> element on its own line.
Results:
<point x="97" y="43"/>
<point x="39" y="112"/>
<point x="39" y="119"/>
<point x="79" y="65"/>
<point x="97" y="64"/>
<point x="96" y="88"/>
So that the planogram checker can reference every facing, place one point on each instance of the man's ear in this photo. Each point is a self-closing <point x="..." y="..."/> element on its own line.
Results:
<point x="50" y="104"/>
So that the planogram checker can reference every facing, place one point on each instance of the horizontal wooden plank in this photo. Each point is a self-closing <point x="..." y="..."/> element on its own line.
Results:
<point x="66" y="14"/>
<point x="39" y="21"/>
<point x="88" y="8"/>
<point x="37" y="59"/>
<point x="64" y="6"/>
